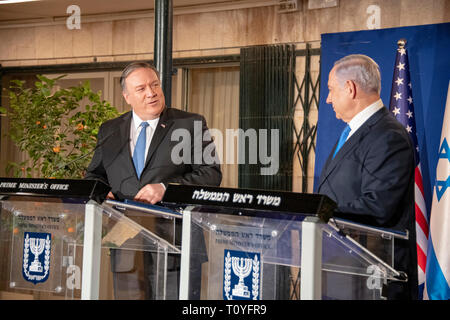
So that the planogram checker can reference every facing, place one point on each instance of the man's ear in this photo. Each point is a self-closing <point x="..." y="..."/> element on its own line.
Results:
<point x="351" y="88"/>
<point x="125" y="96"/>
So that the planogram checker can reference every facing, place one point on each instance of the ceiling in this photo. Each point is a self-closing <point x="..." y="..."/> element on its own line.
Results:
<point x="45" y="9"/>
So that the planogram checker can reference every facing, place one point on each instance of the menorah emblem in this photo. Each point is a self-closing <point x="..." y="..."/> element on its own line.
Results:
<point x="36" y="270"/>
<point x="238" y="266"/>
<point x="242" y="268"/>
<point x="37" y="247"/>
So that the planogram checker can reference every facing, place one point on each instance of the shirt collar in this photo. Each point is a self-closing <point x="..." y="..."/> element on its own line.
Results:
<point x="364" y="115"/>
<point x="137" y="121"/>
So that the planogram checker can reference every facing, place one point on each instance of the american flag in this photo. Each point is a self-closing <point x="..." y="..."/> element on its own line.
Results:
<point x="402" y="106"/>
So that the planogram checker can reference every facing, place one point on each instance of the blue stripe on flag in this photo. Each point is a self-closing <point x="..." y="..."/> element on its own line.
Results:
<point x="437" y="286"/>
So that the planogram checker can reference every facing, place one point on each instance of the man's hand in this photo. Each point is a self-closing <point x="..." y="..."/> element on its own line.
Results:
<point x="151" y="193"/>
<point x="110" y="196"/>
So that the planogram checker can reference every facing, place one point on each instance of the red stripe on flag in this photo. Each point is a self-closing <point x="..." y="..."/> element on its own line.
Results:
<point x="421" y="259"/>
<point x="421" y="220"/>
<point x="418" y="179"/>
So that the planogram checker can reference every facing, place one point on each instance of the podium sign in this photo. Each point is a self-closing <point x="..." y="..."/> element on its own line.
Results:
<point x="243" y="255"/>
<point x="38" y="237"/>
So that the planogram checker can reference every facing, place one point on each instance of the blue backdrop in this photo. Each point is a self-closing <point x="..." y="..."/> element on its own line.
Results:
<point x="429" y="57"/>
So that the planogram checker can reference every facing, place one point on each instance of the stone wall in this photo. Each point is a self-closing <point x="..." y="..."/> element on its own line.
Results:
<point x="202" y="31"/>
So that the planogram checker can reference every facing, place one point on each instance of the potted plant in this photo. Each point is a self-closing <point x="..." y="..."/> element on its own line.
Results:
<point x="57" y="128"/>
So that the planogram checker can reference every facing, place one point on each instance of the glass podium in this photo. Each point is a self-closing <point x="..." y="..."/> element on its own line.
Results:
<point x="156" y="269"/>
<point x="66" y="245"/>
<point x="60" y="239"/>
<point x="261" y="245"/>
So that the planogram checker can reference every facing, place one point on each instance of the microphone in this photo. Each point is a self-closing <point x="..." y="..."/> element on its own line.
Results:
<point x="101" y="143"/>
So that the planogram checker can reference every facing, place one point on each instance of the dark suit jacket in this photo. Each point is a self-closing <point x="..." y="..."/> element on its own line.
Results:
<point x="112" y="161"/>
<point x="372" y="181"/>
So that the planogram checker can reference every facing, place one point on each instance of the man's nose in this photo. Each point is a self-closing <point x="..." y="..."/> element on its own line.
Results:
<point x="328" y="99"/>
<point x="149" y="91"/>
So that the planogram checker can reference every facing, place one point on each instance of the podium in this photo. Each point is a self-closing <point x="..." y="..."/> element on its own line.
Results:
<point x="57" y="237"/>
<point x="60" y="239"/>
<point x="263" y="245"/>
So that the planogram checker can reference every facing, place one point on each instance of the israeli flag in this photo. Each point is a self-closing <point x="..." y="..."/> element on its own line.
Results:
<point x="36" y="256"/>
<point x="437" y="282"/>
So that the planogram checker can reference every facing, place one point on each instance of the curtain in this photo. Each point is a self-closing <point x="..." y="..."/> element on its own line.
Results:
<point x="214" y="93"/>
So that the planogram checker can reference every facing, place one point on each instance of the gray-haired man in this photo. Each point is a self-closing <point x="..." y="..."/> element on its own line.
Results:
<point x="370" y="171"/>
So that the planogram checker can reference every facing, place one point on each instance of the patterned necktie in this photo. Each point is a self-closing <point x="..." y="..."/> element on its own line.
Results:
<point x="139" y="150"/>
<point x="342" y="139"/>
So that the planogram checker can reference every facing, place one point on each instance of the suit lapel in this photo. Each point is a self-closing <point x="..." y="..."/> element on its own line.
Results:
<point x="325" y="170"/>
<point x="352" y="143"/>
<point x="124" y="144"/>
<point x="162" y="128"/>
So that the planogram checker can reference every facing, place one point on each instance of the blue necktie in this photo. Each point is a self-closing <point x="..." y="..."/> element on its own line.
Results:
<point x="342" y="139"/>
<point x="139" y="150"/>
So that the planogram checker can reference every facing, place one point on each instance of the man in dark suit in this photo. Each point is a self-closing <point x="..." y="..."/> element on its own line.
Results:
<point x="371" y="177"/>
<point x="113" y="160"/>
<point x="140" y="152"/>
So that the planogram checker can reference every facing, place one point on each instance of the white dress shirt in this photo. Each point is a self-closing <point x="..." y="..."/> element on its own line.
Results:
<point x="135" y="130"/>
<point x="363" y="116"/>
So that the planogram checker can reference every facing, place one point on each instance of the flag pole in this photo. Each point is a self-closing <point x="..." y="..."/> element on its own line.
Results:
<point x="401" y="43"/>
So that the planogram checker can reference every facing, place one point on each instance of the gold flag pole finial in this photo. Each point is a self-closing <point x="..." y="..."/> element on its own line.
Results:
<point x="401" y="43"/>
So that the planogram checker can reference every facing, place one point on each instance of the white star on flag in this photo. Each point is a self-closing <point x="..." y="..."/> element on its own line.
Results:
<point x="402" y="51"/>
<point x="409" y="114"/>
<point x="401" y="66"/>
<point x="396" y="111"/>
<point x="399" y="81"/>
<point x="408" y="128"/>
<point x="397" y="95"/>
<point x="409" y="100"/>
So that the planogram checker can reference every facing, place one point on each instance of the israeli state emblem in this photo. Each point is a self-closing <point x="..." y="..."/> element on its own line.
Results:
<point x="241" y="279"/>
<point x="36" y="256"/>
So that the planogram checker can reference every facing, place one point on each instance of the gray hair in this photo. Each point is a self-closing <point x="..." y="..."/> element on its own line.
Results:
<point x="362" y="70"/>
<point x="130" y="68"/>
